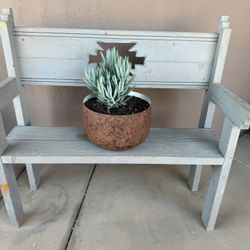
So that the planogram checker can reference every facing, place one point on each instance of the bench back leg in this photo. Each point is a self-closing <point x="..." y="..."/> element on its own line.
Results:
<point x="11" y="195"/>
<point x="194" y="177"/>
<point x="33" y="176"/>
<point x="206" y="120"/>
<point x="19" y="102"/>
<point x="208" y="108"/>
<point x="227" y="145"/>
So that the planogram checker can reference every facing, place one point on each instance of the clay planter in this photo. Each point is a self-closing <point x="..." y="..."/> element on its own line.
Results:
<point x="116" y="132"/>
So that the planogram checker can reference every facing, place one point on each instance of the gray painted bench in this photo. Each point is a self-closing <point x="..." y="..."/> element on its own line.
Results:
<point x="180" y="60"/>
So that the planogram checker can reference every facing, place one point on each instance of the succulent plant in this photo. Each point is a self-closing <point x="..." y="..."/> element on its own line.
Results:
<point x="110" y="80"/>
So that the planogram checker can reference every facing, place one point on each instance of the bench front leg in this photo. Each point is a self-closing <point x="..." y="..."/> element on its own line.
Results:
<point x="227" y="145"/>
<point x="33" y="176"/>
<point x="215" y="194"/>
<point x="11" y="195"/>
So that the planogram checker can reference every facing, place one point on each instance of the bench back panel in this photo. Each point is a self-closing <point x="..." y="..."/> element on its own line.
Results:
<point x="60" y="56"/>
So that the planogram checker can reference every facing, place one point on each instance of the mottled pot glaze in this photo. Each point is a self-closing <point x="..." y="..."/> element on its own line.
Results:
<point x="117" y="132"/>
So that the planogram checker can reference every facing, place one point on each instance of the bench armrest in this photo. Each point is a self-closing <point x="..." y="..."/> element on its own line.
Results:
<point x="237" y="110"/>
<point x="8" y="91"/>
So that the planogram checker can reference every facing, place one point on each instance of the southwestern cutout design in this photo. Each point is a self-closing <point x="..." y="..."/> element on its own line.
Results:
<point x="123" y="49"/>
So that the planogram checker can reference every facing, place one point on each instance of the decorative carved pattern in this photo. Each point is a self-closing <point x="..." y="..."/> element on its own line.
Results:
<point x="123" y="49"/>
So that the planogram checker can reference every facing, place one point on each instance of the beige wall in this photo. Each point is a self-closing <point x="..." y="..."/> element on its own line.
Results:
<point x="172" y="108"/>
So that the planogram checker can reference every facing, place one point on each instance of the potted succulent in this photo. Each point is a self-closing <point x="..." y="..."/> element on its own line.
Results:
<point x="114" y="116"/>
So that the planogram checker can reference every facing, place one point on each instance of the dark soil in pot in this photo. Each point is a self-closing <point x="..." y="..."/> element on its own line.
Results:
<point x="133" y="105"/>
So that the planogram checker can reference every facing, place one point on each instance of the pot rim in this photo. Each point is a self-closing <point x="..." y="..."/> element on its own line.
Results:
<point x="131" y="93"/>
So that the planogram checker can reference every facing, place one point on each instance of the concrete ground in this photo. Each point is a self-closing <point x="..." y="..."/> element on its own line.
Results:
<point x="125" y="207"/>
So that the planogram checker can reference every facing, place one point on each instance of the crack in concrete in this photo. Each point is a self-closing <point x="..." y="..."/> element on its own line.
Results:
<point x="80" y="207"/>
<point x="242" y="163"/>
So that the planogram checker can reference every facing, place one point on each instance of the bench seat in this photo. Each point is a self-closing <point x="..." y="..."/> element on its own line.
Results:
<point x="30" y="144"/>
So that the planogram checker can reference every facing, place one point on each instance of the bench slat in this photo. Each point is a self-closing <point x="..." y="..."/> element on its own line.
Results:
<point x="69" y="145"/>
<point x="80" y="83"/>
<point x="52" y="47"/>
<point x="154" y="72"/>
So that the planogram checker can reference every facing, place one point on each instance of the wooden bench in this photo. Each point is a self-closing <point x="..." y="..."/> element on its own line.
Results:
<point x="179" y="60"/>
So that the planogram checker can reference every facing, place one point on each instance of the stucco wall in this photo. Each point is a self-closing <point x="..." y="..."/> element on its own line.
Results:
<point x="172" y="108"/>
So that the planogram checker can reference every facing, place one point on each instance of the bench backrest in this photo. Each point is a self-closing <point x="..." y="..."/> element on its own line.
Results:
<point x="46" y="56"/>
<point x="60" y="56"/>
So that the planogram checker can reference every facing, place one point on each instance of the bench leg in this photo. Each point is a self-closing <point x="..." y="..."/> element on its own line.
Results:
<point x="33" y="176"/>
<point x="215" y="194"/>
<point x="194" y="177"/>
<point x="11" y="195"/>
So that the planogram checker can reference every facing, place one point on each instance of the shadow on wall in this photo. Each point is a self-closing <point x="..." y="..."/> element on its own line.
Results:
<point x="55" y="106"/>
<point x="62" y="106"/>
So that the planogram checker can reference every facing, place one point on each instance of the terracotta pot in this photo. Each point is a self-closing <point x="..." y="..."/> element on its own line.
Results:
<point x="116" y="132"/>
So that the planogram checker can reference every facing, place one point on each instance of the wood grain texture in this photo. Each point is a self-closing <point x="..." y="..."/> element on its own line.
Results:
<point x="154" y="71"/>
<point x="69" y="145"/>
<point x="79" y="48"/>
